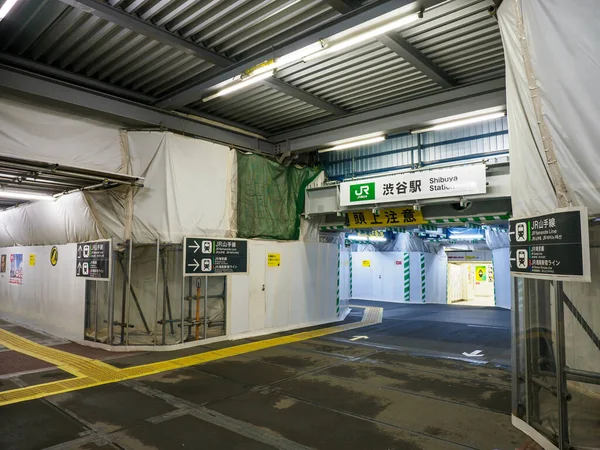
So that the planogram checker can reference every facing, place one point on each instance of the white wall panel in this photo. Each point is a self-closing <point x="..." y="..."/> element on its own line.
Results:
<point x="301" y="291"/>
<point x="502" y="282"/>
<point x="436" y="273"/>
<point x="344" y="276"/>
<point x="51" y="298"/>
<point x="415" y="277"/>
<point x="383" y="280"/>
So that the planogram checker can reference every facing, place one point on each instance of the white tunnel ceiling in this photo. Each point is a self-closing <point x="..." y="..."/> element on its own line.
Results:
<point x="458" y="43"/>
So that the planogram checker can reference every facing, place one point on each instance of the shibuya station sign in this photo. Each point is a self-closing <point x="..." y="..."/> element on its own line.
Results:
<point x="402" y="187"/>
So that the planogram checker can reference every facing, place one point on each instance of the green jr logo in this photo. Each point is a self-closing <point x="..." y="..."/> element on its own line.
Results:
<point x="360" y="192"/>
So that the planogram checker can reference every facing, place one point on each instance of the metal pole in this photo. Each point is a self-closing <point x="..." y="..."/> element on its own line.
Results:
<point x="526" y="348"/>
<point x="205" y="306"/>
<point x="583" y="376"/>
<point x="182" y="297"/>
<point x="156" y="287"/>
<point x="129" y="290"/>
<point x="111" y="298"/>
<point x="419" y="154"/>
<point x="516" y="334"/>
<point x="198" y="291"/>
<point x="96" y="309"/>
<point x="561" y="379"/>
<point x="124" y="297"/>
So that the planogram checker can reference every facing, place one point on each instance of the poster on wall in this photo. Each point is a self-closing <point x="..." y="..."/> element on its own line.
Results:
<point x="16" y="269"/>
<point x="3" y="264"/>
<point x="481" y="273"/>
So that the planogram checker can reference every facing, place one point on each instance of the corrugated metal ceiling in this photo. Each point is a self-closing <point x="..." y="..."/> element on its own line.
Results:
<point x="460" y="37"/>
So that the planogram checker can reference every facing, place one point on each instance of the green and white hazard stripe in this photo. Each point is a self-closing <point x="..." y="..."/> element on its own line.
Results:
<point x="407" y="277"/>
<point x="422" y="257"/>
<point x="476" y="219"/>
<point x="350" y="262"/>
<point x="337" y="301"/>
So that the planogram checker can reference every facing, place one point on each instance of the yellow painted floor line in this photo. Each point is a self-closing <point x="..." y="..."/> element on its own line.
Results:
<point x="90" y="373"/>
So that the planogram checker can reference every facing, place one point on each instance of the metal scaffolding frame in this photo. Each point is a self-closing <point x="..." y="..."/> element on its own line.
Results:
<point x="539" y="356"/>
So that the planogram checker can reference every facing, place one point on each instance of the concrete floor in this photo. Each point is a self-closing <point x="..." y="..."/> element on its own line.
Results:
<point x="325" y="393"/>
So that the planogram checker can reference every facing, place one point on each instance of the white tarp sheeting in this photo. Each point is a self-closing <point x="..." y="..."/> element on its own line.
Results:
<point x="46" y="135"/>
<point x="552" y="52"/>
<point x="68" y="219"/>
<point x="187" y="190"/>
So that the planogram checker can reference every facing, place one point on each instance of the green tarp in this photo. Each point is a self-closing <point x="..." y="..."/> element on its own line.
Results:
<point x="270" y="197"/>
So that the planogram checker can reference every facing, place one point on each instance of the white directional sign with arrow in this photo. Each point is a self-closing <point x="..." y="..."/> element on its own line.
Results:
<point x="356" y="338"/>
<point x="209" y="256"/>
<point x="93" y="260"/>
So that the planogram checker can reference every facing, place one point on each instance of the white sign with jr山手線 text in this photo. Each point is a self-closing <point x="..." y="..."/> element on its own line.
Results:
<point x="409" y="186"/>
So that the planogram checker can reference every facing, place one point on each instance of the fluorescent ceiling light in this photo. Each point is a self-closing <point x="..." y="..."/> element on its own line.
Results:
<point x="300" y="54"/>
<point x="333" y="47"/>
<point x="355" y="237"/>
<point x="460" y="122"/>
<point x="372" y="140"/>
<point x="24" y="196"/>
<point x="6" y="8"/>
<point x="362" y="137"/>
<point x="312" y="51"/>
<point x="240" y="85"/>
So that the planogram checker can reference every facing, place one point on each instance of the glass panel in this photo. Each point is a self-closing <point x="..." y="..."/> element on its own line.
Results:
<point x="170" y="294"/>
<point x="96" y="310"/>
<point x="142" y="296"/>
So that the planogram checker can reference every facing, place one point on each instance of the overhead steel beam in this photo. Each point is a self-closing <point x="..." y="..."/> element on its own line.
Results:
<point x="193" y="92"/>
<point x="281" y="86"/>
<point x="400" y="117"/>
<point x="118" y="16"/>
<point x="401" y="47"/>
<point x="101" y="86"/>
<point x="415" y="58"/>
<point x="65" y="75"/>
<point x="26" y="82"/>
<point x="343" y="6"/>
<point x="131" y="22"/>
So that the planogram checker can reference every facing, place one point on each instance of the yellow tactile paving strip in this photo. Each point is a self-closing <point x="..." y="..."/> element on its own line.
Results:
<point x="89" y="372"/>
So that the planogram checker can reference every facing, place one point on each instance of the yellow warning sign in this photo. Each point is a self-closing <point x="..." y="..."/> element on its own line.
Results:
<point x="480" y="273"/>
<point x="32" y="259"/>
<point x="54" y="256"/>
<point x="366" y="263"/>
<point x="391" y="217"/>
<point x="274" y="259"/>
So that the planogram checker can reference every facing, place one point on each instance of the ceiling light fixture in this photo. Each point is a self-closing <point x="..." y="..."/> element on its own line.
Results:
<point x="358" y="143"/>
<point x="315" y="50"/>
<point x="24" y="195"/>
<point x="4" y="10"/>
<point x="253" y="79"/>
<point x="334" y="47"/>
<point x="460" y="122"/>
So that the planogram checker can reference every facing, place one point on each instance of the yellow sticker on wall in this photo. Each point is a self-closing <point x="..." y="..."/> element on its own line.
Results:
<point x="32" y="259"/>
<point x="54" y="256"/>
<point x="389" y="217"/>
<point x="366" y="263"/>
<point x="274" y="259"/>
<point x="480" y="273"/>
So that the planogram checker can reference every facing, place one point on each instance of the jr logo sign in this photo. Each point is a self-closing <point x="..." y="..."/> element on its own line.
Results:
<point x="359" y="192"/>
